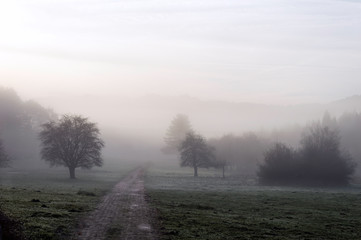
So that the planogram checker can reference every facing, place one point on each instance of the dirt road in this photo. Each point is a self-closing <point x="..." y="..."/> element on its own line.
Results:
<point x="122" y="214"/>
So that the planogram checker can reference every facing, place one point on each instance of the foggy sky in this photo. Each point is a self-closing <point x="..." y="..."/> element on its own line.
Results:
<point x="269" y="51"/>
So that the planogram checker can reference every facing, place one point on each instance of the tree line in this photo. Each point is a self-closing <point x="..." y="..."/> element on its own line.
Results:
<point x="20" y="123"/>
<point x="320" y="159"/>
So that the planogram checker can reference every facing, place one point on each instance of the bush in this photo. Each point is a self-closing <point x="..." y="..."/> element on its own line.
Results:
<point x="319" y="161"/>
<point x="279" y="166"/>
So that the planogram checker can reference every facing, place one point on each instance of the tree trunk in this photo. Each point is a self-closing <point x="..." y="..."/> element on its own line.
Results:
<point x="195" y="171"/>
<point x="223" y="172"/>
<point x="72" y="172"/>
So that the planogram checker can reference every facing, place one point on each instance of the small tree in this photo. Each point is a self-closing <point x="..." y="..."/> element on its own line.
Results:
<point x="195" y="152"/>
<point x="224" y="152"/>
<point x="71" y="142"/>
<point x="176" y="133"/>
<point x="4" y="158"/>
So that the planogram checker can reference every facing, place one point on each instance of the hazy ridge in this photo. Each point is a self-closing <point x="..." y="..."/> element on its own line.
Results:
<point x="150" y="115"/>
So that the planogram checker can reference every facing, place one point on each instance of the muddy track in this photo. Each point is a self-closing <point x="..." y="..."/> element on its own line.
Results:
<point x="122" y="214"/>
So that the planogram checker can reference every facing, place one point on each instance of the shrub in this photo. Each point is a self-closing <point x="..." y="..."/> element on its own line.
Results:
<point x="318" y="162"/>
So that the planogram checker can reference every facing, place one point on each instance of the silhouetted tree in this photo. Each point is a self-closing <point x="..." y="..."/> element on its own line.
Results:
<point x="4" y="159"/>
<point x="279" y="166"/>
<point x="323" y="162"/>
<point x="194" y="152"/>
<point x="72" y="142"/>
<point x="318" y="162"/>
<point x="176" y="133"/>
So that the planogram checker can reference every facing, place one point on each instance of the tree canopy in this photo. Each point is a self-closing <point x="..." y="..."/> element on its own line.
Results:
<point x="71" y="142"/>
<point x="176" y="133"/>
<point x="194" y="152"/>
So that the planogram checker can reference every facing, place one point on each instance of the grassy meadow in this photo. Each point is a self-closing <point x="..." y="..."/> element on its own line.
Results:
<point x="209" y="207"/>
<point x="46" y="204"/>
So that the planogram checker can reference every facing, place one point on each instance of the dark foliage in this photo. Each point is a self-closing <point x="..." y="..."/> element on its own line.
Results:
<point x="323" y="163"/>
<point x="195" y="152"/>
<point x="319" y="161"/>
<point x="72" y="142"/>
<point x="279" y="165"/>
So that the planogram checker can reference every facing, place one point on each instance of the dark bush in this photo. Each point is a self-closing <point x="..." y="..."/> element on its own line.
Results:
<point x="279" y="166"/>
<point x="318" y="162"/>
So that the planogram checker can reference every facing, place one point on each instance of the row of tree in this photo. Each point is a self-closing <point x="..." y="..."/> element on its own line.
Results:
<point x="195" y="151"/>
<point x="318" y="161"/>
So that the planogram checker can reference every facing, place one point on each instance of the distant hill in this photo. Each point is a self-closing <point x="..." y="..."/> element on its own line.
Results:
<point x="149" y="116"/>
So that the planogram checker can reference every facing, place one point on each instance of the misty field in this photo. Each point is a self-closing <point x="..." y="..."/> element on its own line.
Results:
<point x="45" y="204"/>
<point x="209" y="207"/>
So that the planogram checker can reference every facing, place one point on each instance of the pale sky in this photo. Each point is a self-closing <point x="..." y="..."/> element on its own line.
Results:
<point x="264" y="51"/>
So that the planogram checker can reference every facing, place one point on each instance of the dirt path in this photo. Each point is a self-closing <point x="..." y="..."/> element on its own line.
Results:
<point x="122" y="214"/>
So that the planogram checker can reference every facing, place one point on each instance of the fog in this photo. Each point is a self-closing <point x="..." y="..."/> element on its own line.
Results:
<point x="273" y="52"/>
<point x="180" y="119"/>
<point x="232" y="67"/>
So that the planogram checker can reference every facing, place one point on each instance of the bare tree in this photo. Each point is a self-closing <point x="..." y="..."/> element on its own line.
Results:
<point x="196" y="153"/>
<point x="176" y="133"/>
<point x="4" y="159"/>
<point x="71" y="142"/>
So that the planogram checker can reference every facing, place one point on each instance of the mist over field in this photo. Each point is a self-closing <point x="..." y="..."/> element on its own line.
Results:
<point x="181" y="117"/>
<point x="134" y="128"/>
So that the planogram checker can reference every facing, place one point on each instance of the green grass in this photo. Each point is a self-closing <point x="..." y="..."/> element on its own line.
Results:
<point x="47" y="204"/>
<point x="212" y="208"/>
